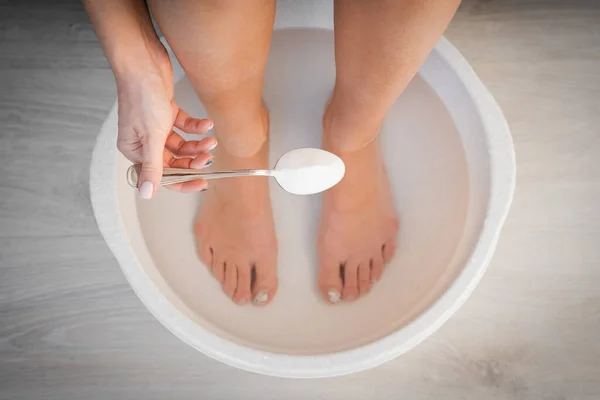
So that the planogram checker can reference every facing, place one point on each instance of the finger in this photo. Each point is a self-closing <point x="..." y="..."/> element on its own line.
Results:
<point x="189" y="187"/>
<point x="168" y="158"/>
<point x="202" y="161"/>
<point x="186" y="123"/>
<point x="152" y="164"/>
<point x="184" y="148"/>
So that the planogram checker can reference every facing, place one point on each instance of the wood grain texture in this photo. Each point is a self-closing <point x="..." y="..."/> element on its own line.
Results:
<point x="71" y="328"/>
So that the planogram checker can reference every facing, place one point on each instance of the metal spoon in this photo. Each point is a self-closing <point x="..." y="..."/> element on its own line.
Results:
<point x="293" y="171"/>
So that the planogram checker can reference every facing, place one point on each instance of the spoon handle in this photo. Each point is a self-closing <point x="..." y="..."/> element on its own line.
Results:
<point x="179" y="175"/>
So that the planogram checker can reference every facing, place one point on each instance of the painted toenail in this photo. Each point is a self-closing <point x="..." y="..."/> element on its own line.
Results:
<point x="212" y="147"/>
<point x="242" y="302"/>
<point x="261" y="297"/>
<point x="334" y="296"/>
<point x="209" y="163"/>
<point x="350" y="297"/>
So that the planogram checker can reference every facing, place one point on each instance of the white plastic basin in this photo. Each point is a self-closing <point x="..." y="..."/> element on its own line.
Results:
<point x="451" y="162"/>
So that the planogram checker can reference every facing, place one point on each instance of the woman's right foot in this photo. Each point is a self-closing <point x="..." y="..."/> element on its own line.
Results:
<point x="235" y="231"/>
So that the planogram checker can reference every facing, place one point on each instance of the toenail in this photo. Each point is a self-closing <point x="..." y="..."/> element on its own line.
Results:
<point x="334" y="296"/>
<point x="350" y="297"/>
<point x="205" y="189"/>
<point x="212" y="147"/>
<point x="261" y="298"/>
<point x="242" y="302"/>
<point x="209" y="163"/>
<point x="373" y="281"/>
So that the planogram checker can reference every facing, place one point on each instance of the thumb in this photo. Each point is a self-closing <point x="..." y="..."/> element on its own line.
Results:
<point x="152" y="165"/>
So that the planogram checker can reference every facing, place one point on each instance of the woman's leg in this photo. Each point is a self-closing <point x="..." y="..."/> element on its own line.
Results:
<point x="379" y="46"/>
<point x="223" y="46"/>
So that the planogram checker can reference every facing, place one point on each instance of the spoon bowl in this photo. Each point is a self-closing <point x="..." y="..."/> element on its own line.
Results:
<point x="308" y="171"/>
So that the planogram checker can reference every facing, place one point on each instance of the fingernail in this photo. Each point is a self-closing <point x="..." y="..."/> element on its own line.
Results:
<point x="334" y="296"/>
<point x="209" y="163"/>
<point x="260" y="298"/>
<point x="146" y="190"/>
<point x="212" y="146"/>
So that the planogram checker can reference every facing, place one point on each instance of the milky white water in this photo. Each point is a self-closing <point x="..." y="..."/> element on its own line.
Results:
<point x="308" y="171"/>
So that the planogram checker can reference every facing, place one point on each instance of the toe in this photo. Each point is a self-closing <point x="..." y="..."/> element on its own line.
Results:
<point x="243" y="290"/>
<point x="231" y="279"/>
<point x="364" y="277"/>
<point x="376" y="269"/>
<point x="388" y="249"/>
<point x="265" y="283"/>
<point x="350" y="291"/>
<point x="205" y="253"/>
<point x="204" y="249"/>
<point x="218" y="268"/>
<point x="330" y="281"/>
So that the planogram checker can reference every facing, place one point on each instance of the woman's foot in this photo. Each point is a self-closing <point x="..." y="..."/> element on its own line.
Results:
<point x="358" y="228"/>
<point x="235" y="229"/>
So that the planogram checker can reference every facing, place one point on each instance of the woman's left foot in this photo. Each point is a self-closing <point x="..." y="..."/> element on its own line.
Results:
<point x="358" y="228"/>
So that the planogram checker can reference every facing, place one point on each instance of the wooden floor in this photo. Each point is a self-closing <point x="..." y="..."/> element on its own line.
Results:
<point x="71" y="327"/>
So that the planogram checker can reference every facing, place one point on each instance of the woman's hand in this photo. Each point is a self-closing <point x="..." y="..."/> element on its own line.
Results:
<point x="147" y="115"/>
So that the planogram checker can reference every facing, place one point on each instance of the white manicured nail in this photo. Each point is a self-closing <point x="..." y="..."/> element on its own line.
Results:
<point x="146" y="190"/>
<point x="334" y="296"/>
<point x="261" y="298"/>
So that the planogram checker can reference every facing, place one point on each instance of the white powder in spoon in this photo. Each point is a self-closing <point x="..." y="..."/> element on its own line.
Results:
<point x="308" y="171"/>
